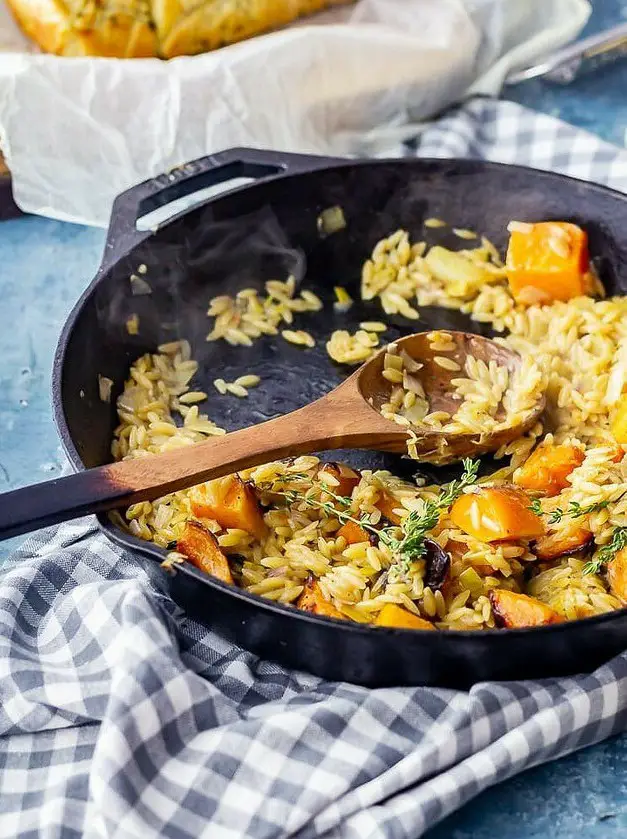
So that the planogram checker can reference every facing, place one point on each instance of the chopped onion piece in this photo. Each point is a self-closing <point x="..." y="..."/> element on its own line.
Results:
<point x="139" y="286"/>
<point x="104" y="388"/>
<point x="331" y="221"/>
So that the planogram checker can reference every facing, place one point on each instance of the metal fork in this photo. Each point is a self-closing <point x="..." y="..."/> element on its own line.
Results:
<point x="566" y="64"/>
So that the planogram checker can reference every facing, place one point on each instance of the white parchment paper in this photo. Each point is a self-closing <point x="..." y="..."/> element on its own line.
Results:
<point x="76" y="132"/>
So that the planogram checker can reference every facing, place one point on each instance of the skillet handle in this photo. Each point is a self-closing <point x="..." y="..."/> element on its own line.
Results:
<point x="184" y="180"/>
<point x="341" y="419"/>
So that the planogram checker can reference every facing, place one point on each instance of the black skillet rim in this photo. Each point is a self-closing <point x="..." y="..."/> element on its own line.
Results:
<point x="154" y="553"/>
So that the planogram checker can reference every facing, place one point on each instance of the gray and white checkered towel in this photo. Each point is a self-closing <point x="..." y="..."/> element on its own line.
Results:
<point x="119" y="717"/>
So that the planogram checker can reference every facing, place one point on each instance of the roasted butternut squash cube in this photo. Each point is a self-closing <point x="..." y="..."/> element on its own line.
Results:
<point x="547" y="261"/>
<point x="619" y="422"/>
<point x="513" y="610"/>
<point x="313" y="600"/>
<point x="230" y="502"/>
<point x="571" y="538"/>
<point x="201" y="547"/>
<point x="395" y="617"/>
<point x="548" y="468"/>
<point x="388" y="504"/>
<point x="617" y="575"/>
<point x="492" y="514"/>
<point x="354" y="534"/>
<point x="347" y="478"/>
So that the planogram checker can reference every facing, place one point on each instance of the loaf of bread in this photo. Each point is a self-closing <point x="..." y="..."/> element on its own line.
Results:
<point x="161" y="28"/>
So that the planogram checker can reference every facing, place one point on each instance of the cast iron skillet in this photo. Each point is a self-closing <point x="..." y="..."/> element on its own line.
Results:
<point x="268" y="229"/>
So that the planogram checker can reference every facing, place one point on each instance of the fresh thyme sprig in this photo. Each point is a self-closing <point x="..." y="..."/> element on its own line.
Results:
<point x="411" y="546"/>
<point x="416" y="526"/>
<point x="574" y="510"/>
<point x="293" y="496"/>
<point x="607" y="552"/>
<point x="455" y="488"/>
<point x="292" y="477"/>
<point x="344" y="500"/>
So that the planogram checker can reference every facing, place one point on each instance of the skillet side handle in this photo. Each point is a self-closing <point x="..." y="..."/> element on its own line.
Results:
<point x="184" y="180"/>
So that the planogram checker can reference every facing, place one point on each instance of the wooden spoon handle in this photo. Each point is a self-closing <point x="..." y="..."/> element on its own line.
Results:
<point x="330" y="423"/>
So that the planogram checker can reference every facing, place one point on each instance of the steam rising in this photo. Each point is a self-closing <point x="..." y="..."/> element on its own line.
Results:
<point x="187" y="264"/>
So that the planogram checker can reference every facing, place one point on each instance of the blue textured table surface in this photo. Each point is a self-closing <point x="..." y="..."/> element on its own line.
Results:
<point x="46" y="265"/>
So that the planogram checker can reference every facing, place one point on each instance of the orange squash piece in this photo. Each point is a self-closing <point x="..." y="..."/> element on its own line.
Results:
<point x="619" y="422"/>
<point x="547" y="261"/>
<point x="548" y="468"/>
<point x="512" y="610"/>
<point x="354" y="534"/>
<point x="230" y="502"/>
<point x="617" y="575"/>
<point x="395" y="617"/>
<point x="312" y="600"/>
<point x="387" y="504"/>
<point x="492" y="514"/>
<point x="201" y="547"/>
<point x="564" y="542"/>
<point x="347" y="478"/>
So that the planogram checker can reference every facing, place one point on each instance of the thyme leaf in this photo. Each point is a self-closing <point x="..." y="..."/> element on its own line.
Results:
<point x="556" y="516"/>
<point x="536" y="507"/>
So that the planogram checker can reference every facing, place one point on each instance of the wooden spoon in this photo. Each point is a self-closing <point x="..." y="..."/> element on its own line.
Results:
<point x="347" y="417"/>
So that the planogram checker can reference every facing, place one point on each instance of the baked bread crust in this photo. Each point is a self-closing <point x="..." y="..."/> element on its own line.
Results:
<point x="153" y="28"/>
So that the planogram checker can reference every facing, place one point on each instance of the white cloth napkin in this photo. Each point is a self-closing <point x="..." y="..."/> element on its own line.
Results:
<point x="76" y="132"/>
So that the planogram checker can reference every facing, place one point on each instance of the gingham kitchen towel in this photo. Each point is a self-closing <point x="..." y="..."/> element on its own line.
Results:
<point x="119" y="717"/>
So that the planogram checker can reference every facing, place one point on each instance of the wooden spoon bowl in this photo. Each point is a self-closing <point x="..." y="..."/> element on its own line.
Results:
<point x="435" y="446"/>
<point x="347" y="417"/>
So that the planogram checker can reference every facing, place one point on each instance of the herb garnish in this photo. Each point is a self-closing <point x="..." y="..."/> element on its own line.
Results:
<point x="416" y="526"/>
<point x="293" y="496"/>
<point x="411" y="546"/>
<point x="536" y="507"/>
<point x="574" y="511"/>
<point x="607" y="552"/>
